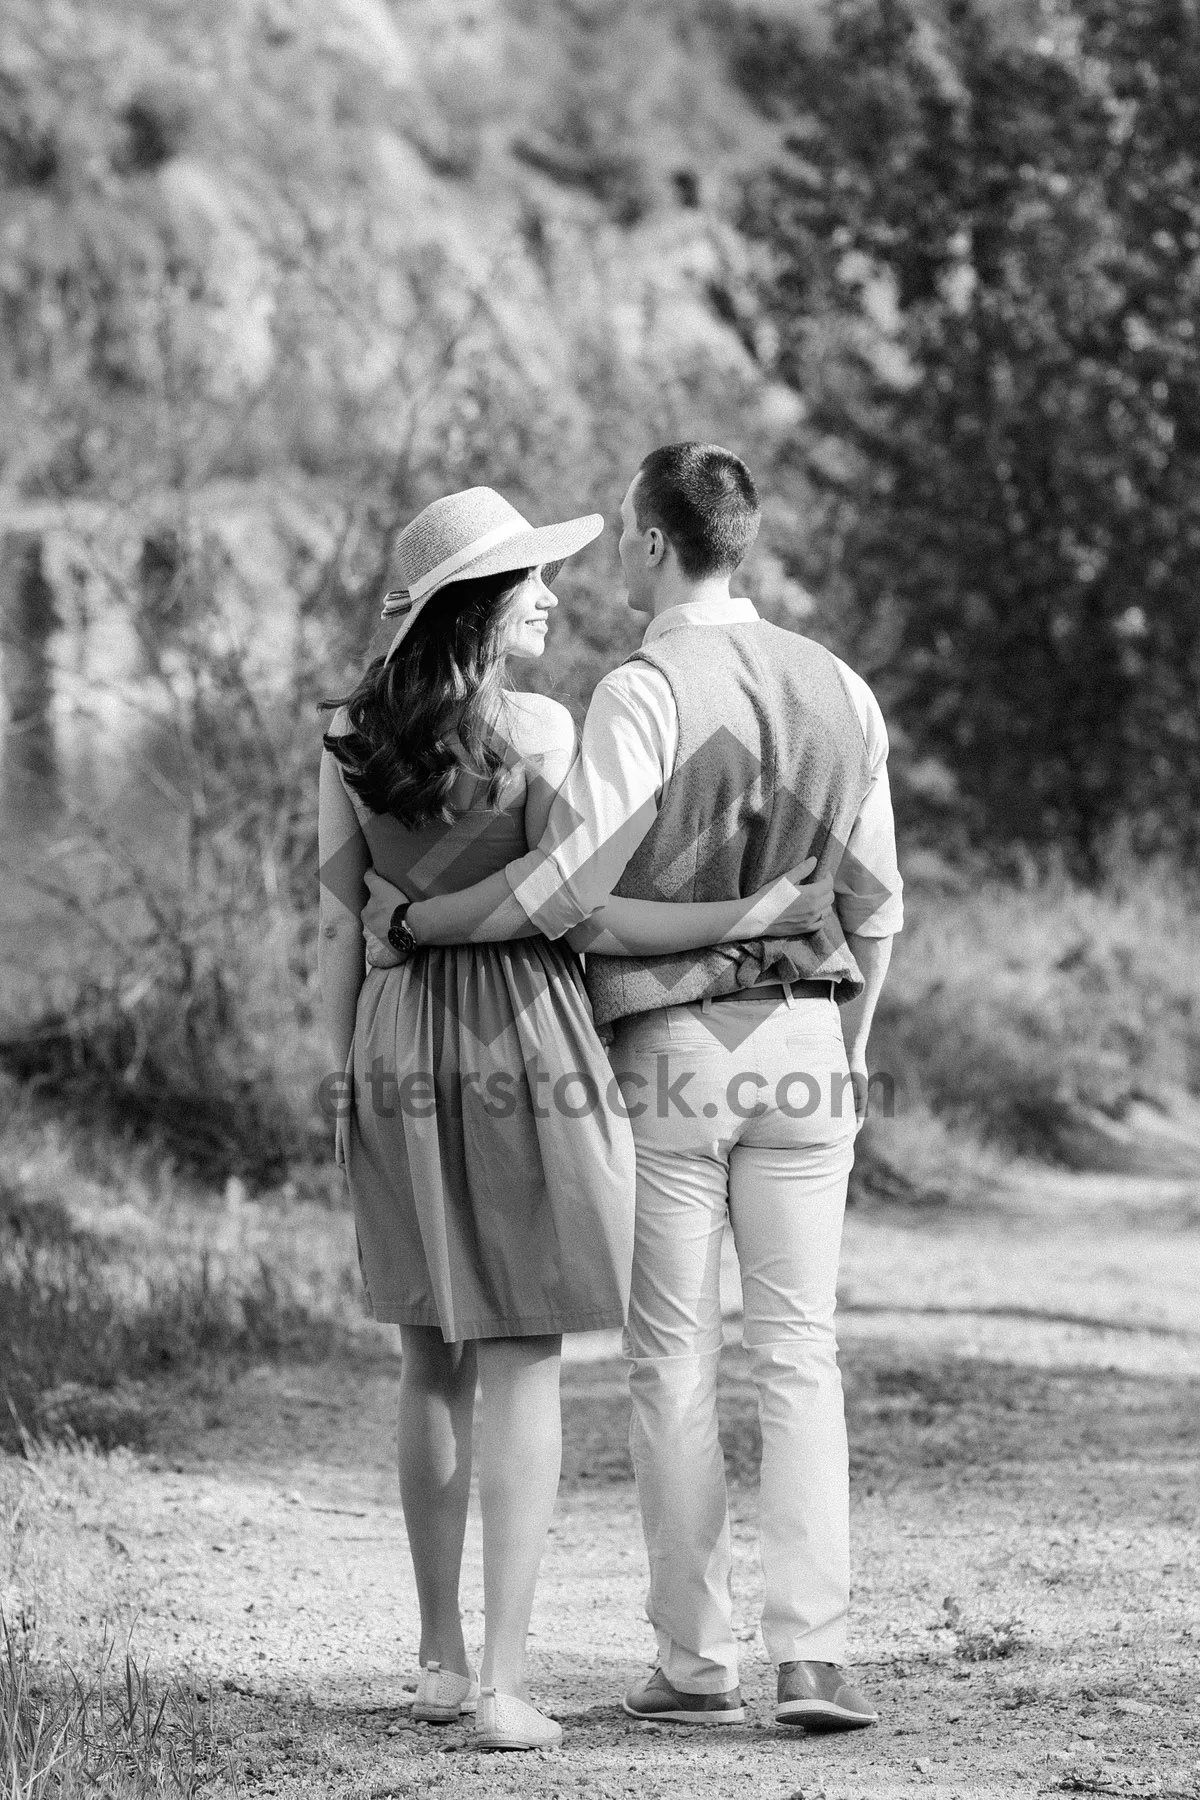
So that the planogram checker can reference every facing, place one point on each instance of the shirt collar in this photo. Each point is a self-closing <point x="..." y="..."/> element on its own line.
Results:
<point x="701" y="612"/>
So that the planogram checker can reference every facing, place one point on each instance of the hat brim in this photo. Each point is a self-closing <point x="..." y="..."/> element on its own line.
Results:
<point x="540" y="544"/>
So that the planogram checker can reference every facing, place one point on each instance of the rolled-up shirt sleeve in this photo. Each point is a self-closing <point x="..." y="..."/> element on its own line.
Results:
<point x="868" y="892"/>
<point x="607" y="803"/>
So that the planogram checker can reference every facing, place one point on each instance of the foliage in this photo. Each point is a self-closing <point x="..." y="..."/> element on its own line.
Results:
<point x="993" y="212"/>
<point x="290" y="270"/>
<point x="1034" y="1019"/>
<point x="185" y="984"/>
<point x="391" y="253"/>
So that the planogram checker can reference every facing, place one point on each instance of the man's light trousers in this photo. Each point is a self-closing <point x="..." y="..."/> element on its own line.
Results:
<point x="769" y="1143"/>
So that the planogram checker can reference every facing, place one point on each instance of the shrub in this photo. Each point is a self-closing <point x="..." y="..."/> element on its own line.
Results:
<point x="1017" y="1013"/>
<point x="173" y="1001"/>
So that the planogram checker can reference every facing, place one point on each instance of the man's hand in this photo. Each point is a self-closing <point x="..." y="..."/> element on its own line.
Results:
<point x="382" y="900"/>
<point x="859" y="1083"/>
<point x="793" y="905"/>
<point x="872" y="956"/>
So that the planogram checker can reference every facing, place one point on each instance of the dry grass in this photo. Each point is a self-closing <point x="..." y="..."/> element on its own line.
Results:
<point x="172" y="1013"/>
<point x="104" y="1290"/>
<point x="1044" y="1021"/>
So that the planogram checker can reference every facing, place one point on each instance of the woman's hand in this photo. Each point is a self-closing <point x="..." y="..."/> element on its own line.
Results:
<point x="791" y="906"/>
<point x="383" y="897"/>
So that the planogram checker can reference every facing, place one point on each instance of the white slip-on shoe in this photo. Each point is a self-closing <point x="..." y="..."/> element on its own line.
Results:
<point x="505" y="1723"/>
<point x="442" y="1696"/>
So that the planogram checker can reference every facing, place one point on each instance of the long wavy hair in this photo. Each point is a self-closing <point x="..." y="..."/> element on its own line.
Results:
<point x="414" y="723"/>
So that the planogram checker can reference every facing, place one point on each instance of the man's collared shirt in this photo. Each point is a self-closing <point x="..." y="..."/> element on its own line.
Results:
<point x="612" y="792"/>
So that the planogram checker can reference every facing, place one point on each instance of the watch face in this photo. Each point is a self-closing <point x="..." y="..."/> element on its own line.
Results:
<point x="400" y="935"/>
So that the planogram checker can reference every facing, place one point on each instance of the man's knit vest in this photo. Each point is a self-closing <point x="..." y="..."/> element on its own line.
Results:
<point x="771" y="768"/>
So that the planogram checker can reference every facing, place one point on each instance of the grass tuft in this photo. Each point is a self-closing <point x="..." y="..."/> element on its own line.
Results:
<point x="34" y="1729"/>
<point x="117" y="1733"/>
<point x="984" y="1640"/>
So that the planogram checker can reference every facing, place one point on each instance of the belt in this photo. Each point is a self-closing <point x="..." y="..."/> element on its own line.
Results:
<point x="776" y="991"/>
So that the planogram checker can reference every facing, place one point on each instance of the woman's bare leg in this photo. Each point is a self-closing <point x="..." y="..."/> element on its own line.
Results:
<point x="437" y="1405"/>
<point x="519" y="1464"/>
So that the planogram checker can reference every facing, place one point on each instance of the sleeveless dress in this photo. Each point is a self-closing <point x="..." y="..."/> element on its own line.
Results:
<point x="489" y="1162"/>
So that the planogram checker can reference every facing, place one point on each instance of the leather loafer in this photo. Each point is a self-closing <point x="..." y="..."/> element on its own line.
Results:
<point x="821" y="1697"/>
<point x="657" y="1699"/>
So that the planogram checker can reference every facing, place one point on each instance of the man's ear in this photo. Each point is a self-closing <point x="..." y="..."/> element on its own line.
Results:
<point x="656" y="547"/>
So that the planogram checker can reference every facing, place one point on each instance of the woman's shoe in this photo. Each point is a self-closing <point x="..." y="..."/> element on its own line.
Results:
<point x="442" y="1695"/>
<point x="505" y="1723"/>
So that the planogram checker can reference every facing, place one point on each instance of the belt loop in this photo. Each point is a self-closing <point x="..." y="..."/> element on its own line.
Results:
<point x="706" y="1004"/>
<point x="833" y="993"/>
<point x="786" y="985"/>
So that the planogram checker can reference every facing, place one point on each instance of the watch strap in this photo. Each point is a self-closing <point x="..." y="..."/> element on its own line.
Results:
<point x="400" y="935"/>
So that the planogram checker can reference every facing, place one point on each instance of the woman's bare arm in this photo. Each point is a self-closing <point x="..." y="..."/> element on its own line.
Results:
<point x="344" y="859"/>
<point x="488" y="912"/>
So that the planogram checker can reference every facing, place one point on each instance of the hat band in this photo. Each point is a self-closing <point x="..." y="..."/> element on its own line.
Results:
<point x="500" y="534"/>
<point x="410" y="611"/>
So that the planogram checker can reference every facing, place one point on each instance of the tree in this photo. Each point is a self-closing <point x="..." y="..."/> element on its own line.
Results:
<point x="1000" y="209"/>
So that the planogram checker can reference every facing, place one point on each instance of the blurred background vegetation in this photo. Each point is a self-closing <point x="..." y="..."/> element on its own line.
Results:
<point x="275" y="273"/>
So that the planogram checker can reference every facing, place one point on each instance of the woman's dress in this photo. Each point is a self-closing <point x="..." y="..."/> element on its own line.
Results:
<point x="489" y="1160"/>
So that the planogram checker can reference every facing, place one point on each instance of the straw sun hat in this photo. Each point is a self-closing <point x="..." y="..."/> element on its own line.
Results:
<point x="468" y="535"/>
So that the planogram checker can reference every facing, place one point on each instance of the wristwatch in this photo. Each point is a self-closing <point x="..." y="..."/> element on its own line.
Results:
<point x="400" y="935"/>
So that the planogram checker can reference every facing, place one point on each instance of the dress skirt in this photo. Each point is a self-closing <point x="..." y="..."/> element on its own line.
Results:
<point x="489" y="1158"/>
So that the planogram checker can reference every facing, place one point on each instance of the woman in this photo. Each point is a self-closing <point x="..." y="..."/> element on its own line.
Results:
<point x="489" y="1221"/>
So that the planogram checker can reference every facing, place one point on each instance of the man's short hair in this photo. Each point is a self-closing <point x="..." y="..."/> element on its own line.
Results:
<point x="704" y="501"/>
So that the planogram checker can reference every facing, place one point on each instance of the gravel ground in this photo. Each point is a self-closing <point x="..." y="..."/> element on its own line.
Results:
<point x="1023" y="1386"/>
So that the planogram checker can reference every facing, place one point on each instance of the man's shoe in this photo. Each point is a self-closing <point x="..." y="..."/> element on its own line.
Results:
<point x="819" y="1696"/>
<point x="505" y="1723"/>
<point x="659" y="1700"/>
<point x="442" y="1696"/>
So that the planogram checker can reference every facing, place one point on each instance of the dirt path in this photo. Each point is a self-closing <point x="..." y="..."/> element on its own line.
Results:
<point x="1029" y="1450"/>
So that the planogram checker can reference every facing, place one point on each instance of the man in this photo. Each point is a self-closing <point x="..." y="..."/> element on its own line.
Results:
<point x="718" y="757"/>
